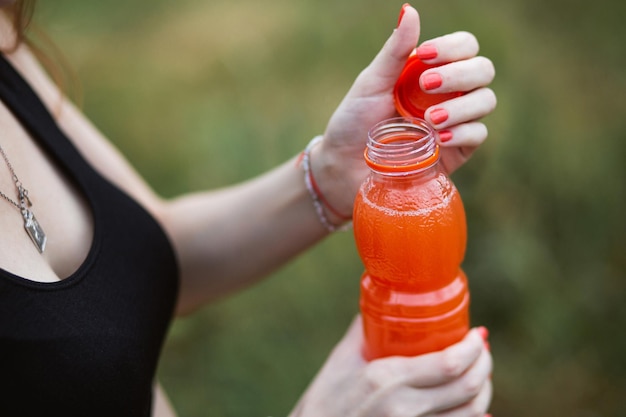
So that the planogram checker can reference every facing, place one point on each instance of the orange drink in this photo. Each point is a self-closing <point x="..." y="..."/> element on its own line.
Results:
<point x="410" y="230"/>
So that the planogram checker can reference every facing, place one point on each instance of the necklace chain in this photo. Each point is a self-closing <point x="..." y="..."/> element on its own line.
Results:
<point x="32" y="226"/>
<point x="21" y="190"/>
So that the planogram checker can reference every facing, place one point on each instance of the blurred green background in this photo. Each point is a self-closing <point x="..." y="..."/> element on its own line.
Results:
<point x="201" y="94"/>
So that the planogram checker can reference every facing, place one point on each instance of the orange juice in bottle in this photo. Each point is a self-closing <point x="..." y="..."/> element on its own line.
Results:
<point x="410" y="230"/>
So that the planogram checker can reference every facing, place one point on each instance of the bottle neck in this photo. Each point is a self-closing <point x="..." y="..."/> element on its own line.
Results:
<point x="401" y="146"/>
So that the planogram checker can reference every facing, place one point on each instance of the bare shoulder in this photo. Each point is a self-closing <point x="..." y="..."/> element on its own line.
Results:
<point x="98" y="151"/>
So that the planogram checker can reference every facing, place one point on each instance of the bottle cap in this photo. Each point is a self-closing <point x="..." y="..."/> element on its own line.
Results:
<point x="409" y="98"/>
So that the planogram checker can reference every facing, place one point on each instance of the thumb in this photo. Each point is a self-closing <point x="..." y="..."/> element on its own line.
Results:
<point x="351" y="344"/>
<point x="383" y="72"/>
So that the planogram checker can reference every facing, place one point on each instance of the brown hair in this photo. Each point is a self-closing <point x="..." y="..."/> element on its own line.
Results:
<point x="45" y="50"/>
<point x="21" y="12"/>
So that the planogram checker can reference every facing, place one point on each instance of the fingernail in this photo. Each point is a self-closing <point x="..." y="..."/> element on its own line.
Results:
<point x="484" y="333"/>
<point x="404" y="6"/>
<point x="426" y="52"/>
<point x="487" y="415"/>
<point x="487" y="346"/>
<point x="445" y="136"/>
<point x="432" y="81"/>
<point x="438" y="116"/>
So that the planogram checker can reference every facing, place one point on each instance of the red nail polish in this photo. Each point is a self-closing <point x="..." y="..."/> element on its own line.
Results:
<point x="487" y="346"/>
<point x="432" y="81"/>
<point x="438" y="116"/>
<point x="445" y="136"/>
<point x="404" y="6"/>
<point x="484" y="333"/>
<point x="426" y="52"/>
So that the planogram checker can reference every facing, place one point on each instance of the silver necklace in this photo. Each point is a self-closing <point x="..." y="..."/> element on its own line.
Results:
<point x="32" y="226"/>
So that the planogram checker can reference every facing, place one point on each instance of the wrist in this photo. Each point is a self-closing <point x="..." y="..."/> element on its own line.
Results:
<point x="333" y="205"/>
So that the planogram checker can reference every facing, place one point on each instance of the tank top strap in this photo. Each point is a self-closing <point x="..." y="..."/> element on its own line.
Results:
<point x="36" y="119"/>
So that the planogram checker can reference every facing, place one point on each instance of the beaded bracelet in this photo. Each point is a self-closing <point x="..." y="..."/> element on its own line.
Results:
<point x="319" y="202"/>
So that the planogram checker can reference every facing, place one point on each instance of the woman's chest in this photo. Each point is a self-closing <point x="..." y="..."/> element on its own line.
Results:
<point x="54" y="211"/>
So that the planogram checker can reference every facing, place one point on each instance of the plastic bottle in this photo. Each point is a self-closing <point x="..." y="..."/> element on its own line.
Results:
<point x="410" y="230"/>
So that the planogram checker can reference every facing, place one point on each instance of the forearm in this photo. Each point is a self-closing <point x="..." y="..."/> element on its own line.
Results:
<point x="229" y="238"/>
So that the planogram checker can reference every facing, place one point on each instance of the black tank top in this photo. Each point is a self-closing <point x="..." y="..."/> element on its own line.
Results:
<point x="87" y="345"/>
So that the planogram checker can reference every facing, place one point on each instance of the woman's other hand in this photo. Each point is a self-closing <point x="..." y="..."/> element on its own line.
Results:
<point x="455" y="382"/>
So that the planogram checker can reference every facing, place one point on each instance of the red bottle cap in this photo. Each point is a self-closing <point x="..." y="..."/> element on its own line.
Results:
<point x="410" y="100"/>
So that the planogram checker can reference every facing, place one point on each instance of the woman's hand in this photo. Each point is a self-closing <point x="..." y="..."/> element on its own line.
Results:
<point x="452" y="383"/>
<point x="338" y="162"/>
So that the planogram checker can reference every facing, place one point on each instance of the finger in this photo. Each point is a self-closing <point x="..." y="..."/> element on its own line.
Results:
<point x="411" y="402"/>
<point x="465" y="388"/>
<point x="460" y="143"/>
<point x="465" y="135"/>
<point x="404" y="401"/>
<point x="448" y="48"/>
<point x="428" y="370"/>
<point x="382" y="73"/>
<point x="466" y="108"/>
<point x="477" y="407"/>
<point x="465" y="75"/>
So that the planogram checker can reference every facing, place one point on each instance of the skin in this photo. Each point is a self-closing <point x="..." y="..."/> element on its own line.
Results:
<point x="450" y="383"/>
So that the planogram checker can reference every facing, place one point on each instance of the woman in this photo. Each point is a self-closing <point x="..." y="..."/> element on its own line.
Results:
<point x="93" y="264"/>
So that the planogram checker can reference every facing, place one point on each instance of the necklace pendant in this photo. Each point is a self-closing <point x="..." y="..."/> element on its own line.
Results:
<point x="34" y="230"/>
